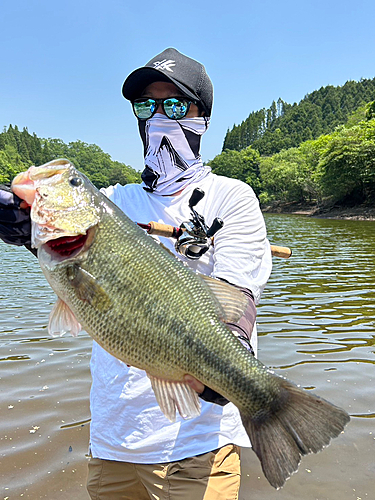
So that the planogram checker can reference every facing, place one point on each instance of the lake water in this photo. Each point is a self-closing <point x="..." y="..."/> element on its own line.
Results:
<point x="316" y="326"/>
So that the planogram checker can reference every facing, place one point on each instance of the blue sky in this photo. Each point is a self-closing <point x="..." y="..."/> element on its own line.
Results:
<point x="62" y="64"/>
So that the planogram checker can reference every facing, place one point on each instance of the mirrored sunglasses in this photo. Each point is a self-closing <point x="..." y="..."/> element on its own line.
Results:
<point x="175" y="108"/>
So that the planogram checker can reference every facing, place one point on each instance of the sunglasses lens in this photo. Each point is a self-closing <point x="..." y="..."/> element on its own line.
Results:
<point x="144" y="109"/>
<point x="176" y="108"/>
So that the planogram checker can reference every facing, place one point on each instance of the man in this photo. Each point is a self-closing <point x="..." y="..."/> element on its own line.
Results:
<point x="136" y="452"/>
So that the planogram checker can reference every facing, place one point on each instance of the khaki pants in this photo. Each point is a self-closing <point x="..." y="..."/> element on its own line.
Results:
<point x="211" y="476"/>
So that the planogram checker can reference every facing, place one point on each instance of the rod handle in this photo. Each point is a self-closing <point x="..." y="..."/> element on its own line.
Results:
<point x="163" y="230"/>
<point x="168" y="231"/>
<point x="283" y="252"/>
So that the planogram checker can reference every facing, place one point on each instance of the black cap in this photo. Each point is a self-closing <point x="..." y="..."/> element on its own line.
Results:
<point x="171" y="66"/>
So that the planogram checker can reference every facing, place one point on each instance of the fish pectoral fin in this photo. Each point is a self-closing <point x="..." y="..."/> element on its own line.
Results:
<point x="62" y="320"/>
<point x="231" y="301"/>
<point x="87" y="288"/>
<point x="172" y="395"/>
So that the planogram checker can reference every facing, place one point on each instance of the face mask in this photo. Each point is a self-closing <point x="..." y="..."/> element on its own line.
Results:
<point x="171" y="151"/>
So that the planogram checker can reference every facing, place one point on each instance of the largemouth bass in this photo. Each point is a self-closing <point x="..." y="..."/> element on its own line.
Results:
<point x="149" y="310"/>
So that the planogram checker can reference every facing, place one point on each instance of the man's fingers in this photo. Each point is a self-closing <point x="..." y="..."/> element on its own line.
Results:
<point x="194" y="383"/>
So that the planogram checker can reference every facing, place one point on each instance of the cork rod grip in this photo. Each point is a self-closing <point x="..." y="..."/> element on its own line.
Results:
<point x="283" y="252"/>
<point x="161" y="229"/>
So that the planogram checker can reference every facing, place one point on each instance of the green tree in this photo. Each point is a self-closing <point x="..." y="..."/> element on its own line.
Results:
<point x="10" y="164"/>
<point x="242" y="165"/>
<point x="19" y="150"/>
<point x="285" y="177"/>
<point x="347" y="165"/>
<point x="370" y="110"/>
<point x="317" y="113"/>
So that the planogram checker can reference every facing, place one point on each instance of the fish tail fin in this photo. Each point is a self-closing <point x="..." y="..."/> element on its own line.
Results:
<point x="303" y="423"/>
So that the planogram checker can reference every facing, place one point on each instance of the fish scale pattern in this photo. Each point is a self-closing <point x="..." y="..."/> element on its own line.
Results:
<point x="153" y="312"/>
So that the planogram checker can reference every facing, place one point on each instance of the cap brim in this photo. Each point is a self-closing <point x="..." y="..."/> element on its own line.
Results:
<point x="137" y="81"/>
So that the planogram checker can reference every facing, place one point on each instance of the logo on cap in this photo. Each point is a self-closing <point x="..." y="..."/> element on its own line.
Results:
<point x="165" y="64"/>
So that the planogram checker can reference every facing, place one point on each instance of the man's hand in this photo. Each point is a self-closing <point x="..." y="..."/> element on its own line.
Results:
<point x="205" y="392"/>
<point x="194" y="383"/>
<point x="15" y="223"/>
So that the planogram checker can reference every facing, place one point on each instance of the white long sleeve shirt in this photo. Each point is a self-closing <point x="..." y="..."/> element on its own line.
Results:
<point x="126" y="421"/>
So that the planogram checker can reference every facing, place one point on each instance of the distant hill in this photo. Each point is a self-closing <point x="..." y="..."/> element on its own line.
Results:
<point x="284" y="125"/>
<point x="20" y="149"/>
<point x="336" y="168"/>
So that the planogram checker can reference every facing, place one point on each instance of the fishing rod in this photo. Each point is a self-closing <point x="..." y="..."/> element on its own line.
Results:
<point x="193" y="237"/>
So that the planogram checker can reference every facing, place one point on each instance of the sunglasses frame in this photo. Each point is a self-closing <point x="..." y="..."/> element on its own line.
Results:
<point x="161" y="102"/>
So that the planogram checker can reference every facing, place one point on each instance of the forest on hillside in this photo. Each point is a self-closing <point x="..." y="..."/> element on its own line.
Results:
<point x="335" y="168"/>
<point x="20" y="149"/>
<point x="284" y="125"/>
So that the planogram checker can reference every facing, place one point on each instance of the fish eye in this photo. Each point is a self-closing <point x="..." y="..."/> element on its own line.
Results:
<point x="75" y="181"/>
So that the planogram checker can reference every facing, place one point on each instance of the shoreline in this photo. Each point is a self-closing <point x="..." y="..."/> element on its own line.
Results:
<point x="359" y="212"/>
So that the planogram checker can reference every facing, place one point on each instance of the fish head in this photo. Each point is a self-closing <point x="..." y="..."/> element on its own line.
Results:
<point x="64" y="203"/>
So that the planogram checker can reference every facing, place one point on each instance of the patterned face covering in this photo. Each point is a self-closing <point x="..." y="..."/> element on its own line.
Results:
<point x="171" y="151"/>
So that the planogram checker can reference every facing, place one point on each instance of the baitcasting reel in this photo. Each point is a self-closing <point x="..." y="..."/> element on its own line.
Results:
<point x="196" y="237"/>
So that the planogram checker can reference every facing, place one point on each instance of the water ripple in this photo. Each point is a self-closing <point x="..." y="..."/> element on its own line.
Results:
<point x="316" y="327"/>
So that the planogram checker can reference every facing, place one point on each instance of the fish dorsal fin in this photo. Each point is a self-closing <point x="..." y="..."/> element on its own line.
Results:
<point x="172" y="395"/>
<point x="232" y="302"/>
<point x="62" y="320"/>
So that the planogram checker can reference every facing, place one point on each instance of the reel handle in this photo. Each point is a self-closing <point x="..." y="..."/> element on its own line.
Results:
<point x="196" y="197"/>
<point x="215" y="226"/>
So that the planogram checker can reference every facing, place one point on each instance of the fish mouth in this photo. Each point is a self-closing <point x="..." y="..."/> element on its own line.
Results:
<point x="66" y="246"/>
